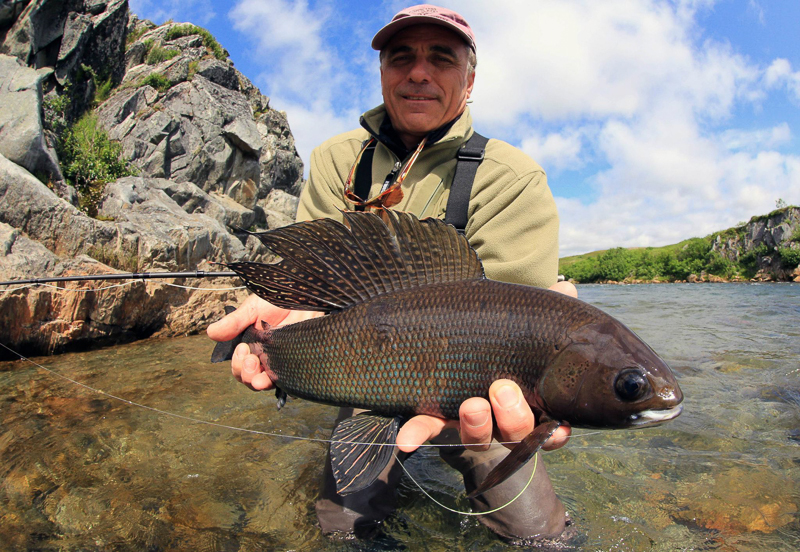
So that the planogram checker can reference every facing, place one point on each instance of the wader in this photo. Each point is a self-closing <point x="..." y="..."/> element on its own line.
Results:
<point x="536" y="514"/>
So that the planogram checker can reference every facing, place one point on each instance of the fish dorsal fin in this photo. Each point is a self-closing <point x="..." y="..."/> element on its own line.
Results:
<point x="326" y="265"/>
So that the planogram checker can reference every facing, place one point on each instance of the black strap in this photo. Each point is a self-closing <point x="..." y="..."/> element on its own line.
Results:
<point x="363" y="181"/>
<point x="469" y="156"/>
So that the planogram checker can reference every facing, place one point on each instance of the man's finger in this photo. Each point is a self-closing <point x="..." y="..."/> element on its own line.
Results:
<point x="567" y="288"/>
<point x="237" y="360"/>
<point x="234" y="323"/>
<point x="418" y="430"/>
<point x="514" y="417"/>
<point x="476" y="426"/>
<point x="559" y="438"/>
<point x="246" y="315"/>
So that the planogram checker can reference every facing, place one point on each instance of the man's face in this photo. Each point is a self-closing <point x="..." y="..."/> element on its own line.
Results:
<point x="425" y="80"/>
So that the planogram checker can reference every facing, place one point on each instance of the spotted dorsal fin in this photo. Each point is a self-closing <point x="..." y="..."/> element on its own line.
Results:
<point x="326" y="265"/>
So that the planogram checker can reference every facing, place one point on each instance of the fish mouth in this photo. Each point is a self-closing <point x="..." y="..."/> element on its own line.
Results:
<point x="647" y="418"/>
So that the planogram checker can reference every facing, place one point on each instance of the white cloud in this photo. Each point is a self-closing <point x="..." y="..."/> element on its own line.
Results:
<point x="311" y="124"/>
<point x="754" y="140"/>
<point x="559" y="60"/>
<point x="755" y="8"/>
<point x="556" y="150"/>
<point x="288" y="35"/>
<point x="780" y="75"/>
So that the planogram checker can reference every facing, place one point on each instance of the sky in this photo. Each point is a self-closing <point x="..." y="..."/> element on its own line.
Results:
<point x="655" y="121"/>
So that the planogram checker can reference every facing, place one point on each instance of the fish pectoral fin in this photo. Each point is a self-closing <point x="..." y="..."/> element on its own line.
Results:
<point x="224" y="349"/>
<point x="361" y="447"/>
<point x="518" y="457"/>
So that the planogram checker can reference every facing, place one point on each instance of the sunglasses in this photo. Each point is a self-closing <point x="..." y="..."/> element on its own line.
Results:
<point x="388" y="197"/>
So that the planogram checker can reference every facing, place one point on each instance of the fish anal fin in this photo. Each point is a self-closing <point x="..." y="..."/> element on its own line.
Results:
<point x="281" y="395"/>
<point x="517" y="458"/>
<point x="361" y="447"/>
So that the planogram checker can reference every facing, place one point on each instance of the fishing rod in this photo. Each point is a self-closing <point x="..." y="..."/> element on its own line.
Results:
<point x="125" y="276"/>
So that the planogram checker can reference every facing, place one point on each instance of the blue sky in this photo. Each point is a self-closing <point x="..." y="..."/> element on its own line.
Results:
<point x="655" y="121"/>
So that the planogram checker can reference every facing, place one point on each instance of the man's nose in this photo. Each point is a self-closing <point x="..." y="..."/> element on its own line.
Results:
<point x="420" y="72"/>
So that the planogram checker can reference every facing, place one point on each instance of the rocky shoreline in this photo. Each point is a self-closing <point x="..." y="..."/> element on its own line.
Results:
<point x="209" y="155"/>
<point x="794" y="277"/>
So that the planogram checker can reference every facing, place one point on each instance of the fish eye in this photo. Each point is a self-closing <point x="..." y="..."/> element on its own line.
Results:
<point x="631" y="384"/>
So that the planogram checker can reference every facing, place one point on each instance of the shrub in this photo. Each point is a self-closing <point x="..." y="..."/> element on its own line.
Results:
<point x="790" y="257"/>
<point x="90" y="160"/>
<point x="134" y="35"/>
<point x="208" y="40"/>
<point x="157" y="55"/>
<point x="157" y="81"/>
<point x="583" y="270"/>
<point x="616" y="264"/>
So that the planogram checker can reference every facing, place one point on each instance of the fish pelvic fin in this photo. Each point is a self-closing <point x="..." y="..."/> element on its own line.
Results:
<point x="326" y="265"/>
<point x="518" y="457"/>
<point x="361" y="448"/>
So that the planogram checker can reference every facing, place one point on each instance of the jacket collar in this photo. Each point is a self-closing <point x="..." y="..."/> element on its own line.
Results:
<point x="455" y="130"/>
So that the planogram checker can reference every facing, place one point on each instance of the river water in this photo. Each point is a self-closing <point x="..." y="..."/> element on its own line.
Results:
<point x="82" y="471"/>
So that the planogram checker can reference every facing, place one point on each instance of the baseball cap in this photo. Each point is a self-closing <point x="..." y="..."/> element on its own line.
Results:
<point x="421" y="14"/>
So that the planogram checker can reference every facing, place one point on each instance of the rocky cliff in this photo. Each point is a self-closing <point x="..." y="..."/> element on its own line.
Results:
<point x="209" y="157"/>
<point x="770" y="244"/>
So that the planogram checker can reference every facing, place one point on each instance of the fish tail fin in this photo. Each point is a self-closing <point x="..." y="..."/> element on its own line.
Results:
<point x="517" y="458"/>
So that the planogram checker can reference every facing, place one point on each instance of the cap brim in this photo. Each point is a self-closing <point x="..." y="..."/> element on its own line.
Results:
<point x="386" y="33"/>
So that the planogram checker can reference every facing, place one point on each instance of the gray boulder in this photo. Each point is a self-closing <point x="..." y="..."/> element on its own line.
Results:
<point x="22" y="135"/>
<point x="65" y="34"/>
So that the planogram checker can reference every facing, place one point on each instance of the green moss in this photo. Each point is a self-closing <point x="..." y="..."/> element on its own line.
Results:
<point x="134" y="36"/>
<point x="193" y="66"/>
<point x="156" y="55"/>
<point x="124" y="259"/>
<point x="157" y="81"/>
<point x="208" y="39"/>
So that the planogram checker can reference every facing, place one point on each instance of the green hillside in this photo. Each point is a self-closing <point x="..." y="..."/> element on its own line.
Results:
<point x="739" y="253"/>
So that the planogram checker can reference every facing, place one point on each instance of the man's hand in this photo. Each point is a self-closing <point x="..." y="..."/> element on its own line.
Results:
<point x="246" y="367"/>
<point x="514" y="417"/>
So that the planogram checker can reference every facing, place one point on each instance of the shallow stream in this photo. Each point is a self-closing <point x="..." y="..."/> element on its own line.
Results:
<point x="83" y="471"/>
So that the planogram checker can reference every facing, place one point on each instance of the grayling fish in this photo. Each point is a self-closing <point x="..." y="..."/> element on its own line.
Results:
<point x="414" y="327"/>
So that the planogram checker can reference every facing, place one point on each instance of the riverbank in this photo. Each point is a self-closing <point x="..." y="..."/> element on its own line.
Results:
<point x="701" y="279"/>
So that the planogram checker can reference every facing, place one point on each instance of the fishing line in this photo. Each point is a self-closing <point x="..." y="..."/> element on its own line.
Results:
<point x="528" y="484"/>
<point x="223" y="426"/>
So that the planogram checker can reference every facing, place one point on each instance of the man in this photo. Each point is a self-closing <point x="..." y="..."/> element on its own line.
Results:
<point x="427" y="61"/>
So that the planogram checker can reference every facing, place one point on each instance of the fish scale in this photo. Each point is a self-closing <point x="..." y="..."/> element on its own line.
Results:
<point x="421" y="351"/>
